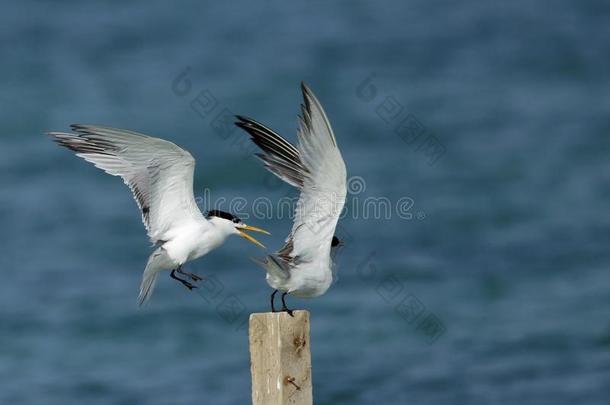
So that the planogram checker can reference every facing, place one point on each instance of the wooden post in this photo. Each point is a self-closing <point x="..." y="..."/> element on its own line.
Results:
<point x="280" y="359"/>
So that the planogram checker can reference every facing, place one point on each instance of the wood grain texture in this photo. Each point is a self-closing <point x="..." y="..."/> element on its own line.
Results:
<point x="280" y="358"/>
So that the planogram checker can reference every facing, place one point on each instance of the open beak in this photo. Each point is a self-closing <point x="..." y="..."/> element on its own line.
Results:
<point x="243" y="227"/>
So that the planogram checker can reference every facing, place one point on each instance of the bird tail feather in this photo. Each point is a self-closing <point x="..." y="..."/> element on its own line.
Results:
<point x="276" y="272"/>
<point x="150" y="276"/>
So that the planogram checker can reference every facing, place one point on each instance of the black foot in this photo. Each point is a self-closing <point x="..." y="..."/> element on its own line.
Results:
<point x="284" y="307"/>
<point x="272" y="301"/>
<point x="192" y="276"/>
<point x="184" y="282"/>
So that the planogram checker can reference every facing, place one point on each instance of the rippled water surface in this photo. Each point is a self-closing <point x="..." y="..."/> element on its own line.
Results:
<point x="487" y="284"/>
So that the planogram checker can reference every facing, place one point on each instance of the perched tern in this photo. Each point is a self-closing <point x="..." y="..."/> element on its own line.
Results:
<point x="303" y="267"/>
<point x="160" y="176"/>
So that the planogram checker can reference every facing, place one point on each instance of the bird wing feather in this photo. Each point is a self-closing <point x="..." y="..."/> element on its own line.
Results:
<point x="324" y="189"/>
<point x="316" y="167"/>
<point x="279" y="156"/>
<point x="158" y="172"/>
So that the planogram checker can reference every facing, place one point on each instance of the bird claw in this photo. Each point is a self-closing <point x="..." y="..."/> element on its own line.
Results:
<point x="195" y="277"/>
<point x="189" y="285"/>
<point x="185" y="283"/>
<point x="284" y="307"/>
<point x="288" y="311"/>
<point x="192" y="276"/>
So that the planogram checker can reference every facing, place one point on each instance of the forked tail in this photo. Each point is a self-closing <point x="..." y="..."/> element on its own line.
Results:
<point x="153" y="267"/>
<point x="277" y="271"/>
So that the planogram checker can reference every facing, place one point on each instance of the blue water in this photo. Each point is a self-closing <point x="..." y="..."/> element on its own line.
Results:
<point x="496" y="290"/>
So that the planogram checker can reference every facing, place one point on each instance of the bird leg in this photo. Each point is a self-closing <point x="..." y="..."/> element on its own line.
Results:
<point x="184" y="282"/>
<point x="192" y="276"/>
<point x="272" y="301"/>
<point x="284" y="307"/>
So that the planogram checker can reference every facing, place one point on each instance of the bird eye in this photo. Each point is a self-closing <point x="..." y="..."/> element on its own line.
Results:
<point x="236" y="220"/>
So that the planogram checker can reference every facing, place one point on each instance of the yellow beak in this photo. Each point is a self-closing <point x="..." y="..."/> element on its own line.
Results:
<point x="244" y="235"/>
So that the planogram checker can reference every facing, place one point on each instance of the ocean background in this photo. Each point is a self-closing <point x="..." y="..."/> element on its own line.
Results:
<point x="485" y="125"/>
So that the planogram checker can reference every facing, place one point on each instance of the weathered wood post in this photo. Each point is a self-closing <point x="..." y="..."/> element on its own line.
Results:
<point x="280" y="359"/>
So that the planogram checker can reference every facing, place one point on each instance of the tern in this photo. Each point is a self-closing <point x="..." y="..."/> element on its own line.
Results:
<point x="160" y="176"/>
<point x="303" y="267"/>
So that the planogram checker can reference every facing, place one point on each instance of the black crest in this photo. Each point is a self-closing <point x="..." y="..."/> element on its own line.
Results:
<point x="222" y="214"/>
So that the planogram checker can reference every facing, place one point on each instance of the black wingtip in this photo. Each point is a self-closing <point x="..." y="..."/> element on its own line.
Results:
<point x="307" y="93"/>
<point x="244" y="122"/>
<point x="307" y="98"/>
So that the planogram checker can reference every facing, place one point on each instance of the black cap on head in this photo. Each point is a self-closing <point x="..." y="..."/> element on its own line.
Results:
<point x="335" y="242"/>
<point x="225" y="215"/>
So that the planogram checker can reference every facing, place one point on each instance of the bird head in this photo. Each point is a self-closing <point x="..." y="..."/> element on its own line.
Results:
<point x="233" y="225"/>
<point x="335" y="244"/>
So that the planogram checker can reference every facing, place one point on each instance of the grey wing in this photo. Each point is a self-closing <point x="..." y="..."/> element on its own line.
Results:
<point x="158" y="172"/>
<point x="315" y="167"/>
<point x="279" y="156"/>
<point x="277" y="268"/>
<point x="324" y="189"/>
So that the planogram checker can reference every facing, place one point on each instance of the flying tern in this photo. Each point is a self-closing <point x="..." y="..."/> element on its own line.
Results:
<point x="303" y="266"/>
<point x="160" y="176"/>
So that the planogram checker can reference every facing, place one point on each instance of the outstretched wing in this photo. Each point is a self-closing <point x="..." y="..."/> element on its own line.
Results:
<point x="158" y="172"/>
<point x="315" y="167"/>
<point x="279" y="157"/>
<point x="324" y="189"/>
